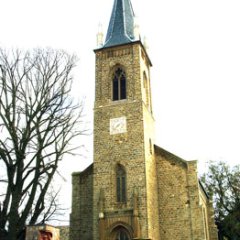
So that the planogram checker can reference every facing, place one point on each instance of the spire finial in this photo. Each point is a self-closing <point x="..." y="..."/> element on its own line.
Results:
<point x="136" y="29"/>
<point x="145" y="43"/>
<point x="100" y="36"/>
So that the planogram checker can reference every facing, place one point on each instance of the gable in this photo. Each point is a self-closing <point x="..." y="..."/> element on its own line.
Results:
<point x="173" y="159"/>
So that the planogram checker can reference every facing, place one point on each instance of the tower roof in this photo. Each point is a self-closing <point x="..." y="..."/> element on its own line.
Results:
<point x="121" y="25"/>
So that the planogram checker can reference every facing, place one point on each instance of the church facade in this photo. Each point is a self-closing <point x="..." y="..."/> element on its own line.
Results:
<point x="134" y="189"/>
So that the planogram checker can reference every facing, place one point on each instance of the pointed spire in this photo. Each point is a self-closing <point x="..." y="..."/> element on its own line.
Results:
<point x="121" y="26"/>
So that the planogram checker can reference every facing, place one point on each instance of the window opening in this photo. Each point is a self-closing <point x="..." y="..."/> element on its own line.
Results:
<point x="119" y="85"/>
<point x="150" y="146"/>
<point x="121" y="184"/>
<point x="122" y="235"/>
<point x="146" y="89"/>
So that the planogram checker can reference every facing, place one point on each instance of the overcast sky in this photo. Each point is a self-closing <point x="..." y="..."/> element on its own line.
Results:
<point x="195" y="50"/>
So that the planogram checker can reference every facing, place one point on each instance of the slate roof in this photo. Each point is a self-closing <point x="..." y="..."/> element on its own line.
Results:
<point x="121" y="25"/>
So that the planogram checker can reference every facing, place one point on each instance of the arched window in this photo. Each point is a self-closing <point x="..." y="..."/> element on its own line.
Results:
<point x="121" y="183"/>
<point x="122" y="235"/>
<point x="146" y="89"/>
<point x="119" y="85"/>
<point x="150" y="146"/>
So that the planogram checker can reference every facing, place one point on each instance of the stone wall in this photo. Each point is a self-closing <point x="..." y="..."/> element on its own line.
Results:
<point x="174" y="215"/>
<point x="132" y="149"/>
<point x="82" y="205"/>
<point x="163" y="198"/>
<point x="183" y="205"/>
<point x="129" y="148"/>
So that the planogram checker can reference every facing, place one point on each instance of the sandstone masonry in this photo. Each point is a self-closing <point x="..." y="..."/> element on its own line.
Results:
<point x="134" y="189"/>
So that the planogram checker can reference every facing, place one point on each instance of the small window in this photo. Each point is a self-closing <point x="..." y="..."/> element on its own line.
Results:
<point x="121" y="183"/>
<point x="146" y="89"/>
<point x="150" y="146"/>
<point x="119" y="85"/>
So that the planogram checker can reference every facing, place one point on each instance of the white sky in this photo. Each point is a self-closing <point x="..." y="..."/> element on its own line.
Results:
<point x="195" y="50"/>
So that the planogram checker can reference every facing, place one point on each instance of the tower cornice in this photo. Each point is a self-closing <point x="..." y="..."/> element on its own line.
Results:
<point x="139" y="42"/>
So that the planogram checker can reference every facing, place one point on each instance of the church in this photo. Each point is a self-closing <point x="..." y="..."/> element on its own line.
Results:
<point x="134" y="189"/>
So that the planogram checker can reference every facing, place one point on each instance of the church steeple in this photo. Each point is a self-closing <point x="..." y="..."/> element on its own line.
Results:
<point x="121" y="25"/>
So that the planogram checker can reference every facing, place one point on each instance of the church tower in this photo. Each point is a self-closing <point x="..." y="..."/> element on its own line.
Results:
<point x="123" y="133"/>
<point x="134" y="189"/>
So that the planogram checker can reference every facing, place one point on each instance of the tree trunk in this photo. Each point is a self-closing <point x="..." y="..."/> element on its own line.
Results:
<point x="39" y="120"/>
<point x="12" y="233"/>
<point x="13" y="222"/>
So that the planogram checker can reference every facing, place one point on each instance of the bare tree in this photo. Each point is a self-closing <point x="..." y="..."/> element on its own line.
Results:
<point x="38" y="121"/>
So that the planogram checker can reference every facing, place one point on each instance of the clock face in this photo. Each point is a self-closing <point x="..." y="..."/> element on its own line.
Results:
<point x="118" y="125"/>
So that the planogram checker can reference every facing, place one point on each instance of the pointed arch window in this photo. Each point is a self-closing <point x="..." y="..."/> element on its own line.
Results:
<point x="121" y="184"/>
<point x="119" y="85"/>
<point x="146" y="89"/>
<point x="122" y="235"/>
